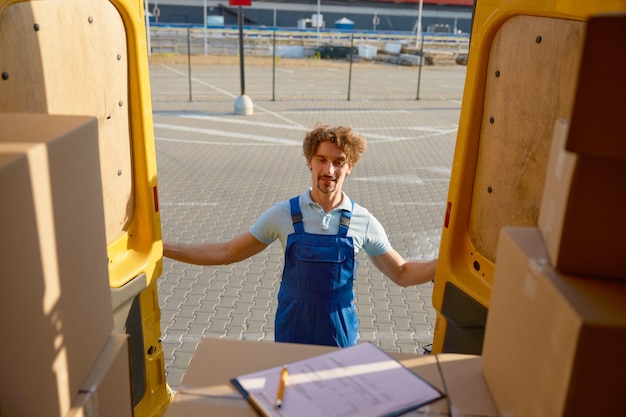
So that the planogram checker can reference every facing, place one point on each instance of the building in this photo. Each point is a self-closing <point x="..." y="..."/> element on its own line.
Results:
<point x="451" y="16"/>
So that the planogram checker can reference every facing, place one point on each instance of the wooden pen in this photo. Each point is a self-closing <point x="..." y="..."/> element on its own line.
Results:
<point x="281" y="387"/>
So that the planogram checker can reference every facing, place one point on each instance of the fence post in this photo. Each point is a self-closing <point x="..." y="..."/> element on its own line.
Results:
<point x="243" y="104"/>
<point x="419" y="74"/>
<point x="350" y="71"/>
<point x="189" y="60"/>
<point x="274" y="66"/>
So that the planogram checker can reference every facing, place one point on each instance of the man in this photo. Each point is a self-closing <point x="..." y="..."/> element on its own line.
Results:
<point x="321" y="231"/>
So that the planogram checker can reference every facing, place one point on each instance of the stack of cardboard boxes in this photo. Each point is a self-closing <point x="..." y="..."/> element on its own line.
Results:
<point x="58" y="356"/>
<point x="556" y="330"/>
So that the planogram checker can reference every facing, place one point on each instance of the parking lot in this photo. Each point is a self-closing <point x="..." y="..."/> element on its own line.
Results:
<point x="218" y="171"/>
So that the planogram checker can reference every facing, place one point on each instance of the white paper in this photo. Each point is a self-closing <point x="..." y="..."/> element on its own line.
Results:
<point x="358" y="381"/>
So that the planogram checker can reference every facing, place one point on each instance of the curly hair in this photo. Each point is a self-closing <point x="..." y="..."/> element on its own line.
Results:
<point x="342" y="136"/>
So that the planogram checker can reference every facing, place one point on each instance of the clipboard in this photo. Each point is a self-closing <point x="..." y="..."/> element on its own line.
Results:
<point x="359" y="381"/>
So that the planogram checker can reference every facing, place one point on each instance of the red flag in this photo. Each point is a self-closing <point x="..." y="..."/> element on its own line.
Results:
<point x="240" y="2"/>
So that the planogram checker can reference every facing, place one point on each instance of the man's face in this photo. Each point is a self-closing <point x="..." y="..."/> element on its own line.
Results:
<point x="329" y="168"/>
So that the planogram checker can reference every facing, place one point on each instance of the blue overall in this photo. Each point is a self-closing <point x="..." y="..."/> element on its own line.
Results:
<point x="315" y="301"/>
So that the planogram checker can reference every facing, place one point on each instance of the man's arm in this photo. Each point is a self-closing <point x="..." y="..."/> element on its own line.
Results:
<point x="402" y="272"/>
<point x="235" y="250"/>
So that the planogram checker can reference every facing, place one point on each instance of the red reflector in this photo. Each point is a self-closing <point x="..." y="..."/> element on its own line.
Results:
<point x="448" y="210"/>
<point x="155" y="195"/>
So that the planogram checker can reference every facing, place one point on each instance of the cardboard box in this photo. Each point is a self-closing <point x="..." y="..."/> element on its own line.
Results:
<point x="206" y="388"/>
<point x="582" y="211"/>
<point x="186" y="405"/>
<point x="465" y="385"/>
<point x="109" y="379"/>
<point x="107" y="389"/>
<point x="554" y="343"/>
<point x="55" y="301"/>
<point x="85" y="405"/>
<point x="598" y="123"/>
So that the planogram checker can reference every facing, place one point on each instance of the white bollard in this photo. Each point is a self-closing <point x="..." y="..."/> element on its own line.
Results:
<point x="243" y="105"/>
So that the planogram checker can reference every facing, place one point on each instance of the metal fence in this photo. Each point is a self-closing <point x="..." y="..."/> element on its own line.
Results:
<point x="262" y="42"/>
<point x="213" y="87"/>
<point x="372" y="65"/>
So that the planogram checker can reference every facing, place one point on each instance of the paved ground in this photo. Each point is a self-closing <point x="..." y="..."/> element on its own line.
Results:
<point x="219" y="171"/>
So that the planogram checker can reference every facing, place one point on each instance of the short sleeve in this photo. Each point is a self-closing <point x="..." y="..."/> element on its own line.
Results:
<point x="376" y="241"/>
<point x="273" y="224"/>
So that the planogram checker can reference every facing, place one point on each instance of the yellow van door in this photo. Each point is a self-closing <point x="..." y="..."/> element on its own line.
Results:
<point x="521" y="77"/>
<point x="89" y="57"/>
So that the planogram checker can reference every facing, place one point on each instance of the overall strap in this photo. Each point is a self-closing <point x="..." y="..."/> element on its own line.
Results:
<point x="298" y="225"/>
<point x="296" y="214"/>
<point x="344" y="222"/>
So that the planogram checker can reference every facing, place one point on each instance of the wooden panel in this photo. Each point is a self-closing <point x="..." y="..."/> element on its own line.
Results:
<point x="531" y="78"/>
<point x="70" y="57"/>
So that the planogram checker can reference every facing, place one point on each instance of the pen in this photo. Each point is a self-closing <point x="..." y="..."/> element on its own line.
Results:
<point x="281" y="387"/>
